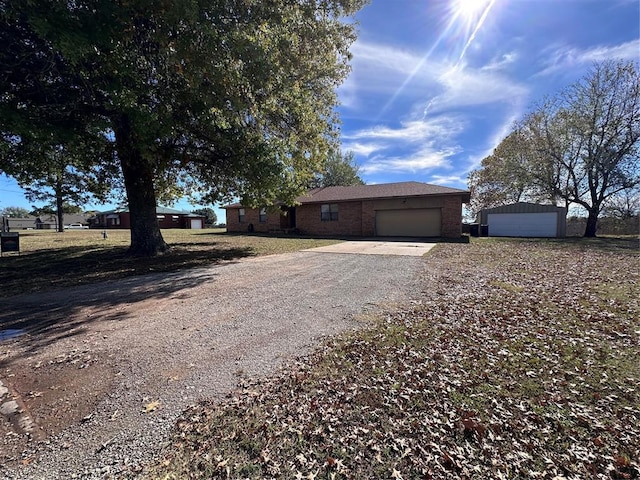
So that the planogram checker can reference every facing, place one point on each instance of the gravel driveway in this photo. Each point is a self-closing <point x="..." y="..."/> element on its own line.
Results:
<point x="112" y="365"/>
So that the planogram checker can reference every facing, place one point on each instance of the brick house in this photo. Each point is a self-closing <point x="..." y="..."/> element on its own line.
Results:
<point x="167" y="218"/>
<point x="406" y="209"/>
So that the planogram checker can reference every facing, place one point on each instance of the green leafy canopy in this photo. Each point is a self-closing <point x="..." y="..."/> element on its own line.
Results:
<point x="216" y="98"/>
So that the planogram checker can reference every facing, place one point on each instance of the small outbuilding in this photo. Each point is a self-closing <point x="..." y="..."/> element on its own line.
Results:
<point x="525" y="220"/>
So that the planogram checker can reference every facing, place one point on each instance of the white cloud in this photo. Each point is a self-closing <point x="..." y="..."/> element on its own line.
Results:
<point x="365" y="149"/>
<point x="386" y="70"/>
<point x="429" y="139"/>
<point x="465" y="87"/>
<point x="448" y="180"/>
<point x="384" y="57"/>
<point x="501" y="62"/>
<point x="564" y="57"/>
<point x="423" y="160"/>
<point x="395" y="74"/>
<point x="415" y="146"/>
<point x="625" y="51"/>
<point x="442" y="126"/>
<point x="426" y="142"/>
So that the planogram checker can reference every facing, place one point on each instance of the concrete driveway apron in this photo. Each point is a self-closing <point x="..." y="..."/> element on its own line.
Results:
<point x="367" y="247"/>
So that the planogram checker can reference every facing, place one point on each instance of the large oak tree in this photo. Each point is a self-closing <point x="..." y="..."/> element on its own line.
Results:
<point x="219" y="98"/>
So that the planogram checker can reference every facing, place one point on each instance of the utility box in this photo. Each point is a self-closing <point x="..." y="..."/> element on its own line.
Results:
<point x="9" y="242"/>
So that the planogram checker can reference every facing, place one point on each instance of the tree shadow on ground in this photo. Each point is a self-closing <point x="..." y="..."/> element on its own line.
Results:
<point x="72" y="266"/>
<point x="86" y="286"/>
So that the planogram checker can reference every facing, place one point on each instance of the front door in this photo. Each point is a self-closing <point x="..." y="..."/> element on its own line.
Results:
<point x="288" y="218"/>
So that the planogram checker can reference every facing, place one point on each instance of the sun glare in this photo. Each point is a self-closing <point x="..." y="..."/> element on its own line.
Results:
<point x="469" y="9"/>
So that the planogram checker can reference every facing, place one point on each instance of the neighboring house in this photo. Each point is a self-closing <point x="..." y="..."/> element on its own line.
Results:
<point x="167" y="218"/>
<point x="44" y="222"/>
<point x="20" y="223"/>
<point x="525" y="220"/>
<point x="407" y="209"/>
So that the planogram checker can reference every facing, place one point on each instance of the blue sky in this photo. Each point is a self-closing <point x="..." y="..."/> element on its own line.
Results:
<point x="436" y="84"/>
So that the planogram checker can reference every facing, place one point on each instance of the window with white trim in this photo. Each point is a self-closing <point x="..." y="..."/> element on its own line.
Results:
<point x="263" y="215"/>
<point x="241" y="215"/>
<point x="329" y="212"/>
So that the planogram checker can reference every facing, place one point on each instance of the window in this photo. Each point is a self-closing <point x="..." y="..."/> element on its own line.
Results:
<point x="263" y="215"/>
<point x="241" y="215"/>
<point x="329" y="212"/>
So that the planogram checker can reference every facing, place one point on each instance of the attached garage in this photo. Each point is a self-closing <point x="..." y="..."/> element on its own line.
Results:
<point x="525" y="220"/>
<point x="196" y="223"/>
<point x="419" y="222"/>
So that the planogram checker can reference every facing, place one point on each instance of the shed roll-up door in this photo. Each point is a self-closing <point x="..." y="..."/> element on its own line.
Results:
<point x="544" y="224"/>
<point x="419" y="222"/>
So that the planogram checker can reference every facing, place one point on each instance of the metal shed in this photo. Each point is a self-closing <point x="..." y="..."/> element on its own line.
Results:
<point x="525" y="220"/>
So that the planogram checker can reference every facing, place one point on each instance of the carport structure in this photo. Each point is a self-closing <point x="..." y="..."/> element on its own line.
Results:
<point x="404" y="209"/>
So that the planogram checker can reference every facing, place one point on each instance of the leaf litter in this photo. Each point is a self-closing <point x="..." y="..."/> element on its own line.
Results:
<point x="519" y="360"/>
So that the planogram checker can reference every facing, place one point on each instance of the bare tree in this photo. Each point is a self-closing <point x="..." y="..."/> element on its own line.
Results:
<point x="624" y="205"/>
<point x="584" y="142"/>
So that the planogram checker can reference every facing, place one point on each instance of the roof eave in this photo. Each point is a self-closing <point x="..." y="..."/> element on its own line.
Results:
<point x="466" y="197"/>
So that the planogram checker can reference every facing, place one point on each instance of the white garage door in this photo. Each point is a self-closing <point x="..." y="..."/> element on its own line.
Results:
<point x="523" y="224"/>
<point x="420" y="222"/>
<point x="196" y="223"/>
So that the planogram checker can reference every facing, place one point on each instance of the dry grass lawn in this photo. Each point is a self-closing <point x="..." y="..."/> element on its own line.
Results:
<point x="53" y="260"/>
<point x="519" y="360"/>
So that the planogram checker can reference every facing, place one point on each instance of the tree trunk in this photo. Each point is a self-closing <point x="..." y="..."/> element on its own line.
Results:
<point x="146" y="238"/>
<point x="59" y="205"/>
<point x="592" y="224"/>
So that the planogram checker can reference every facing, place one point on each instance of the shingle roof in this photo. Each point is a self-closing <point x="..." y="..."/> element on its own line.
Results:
<point x="382" y="190"/>
<point x="368" y="192"/>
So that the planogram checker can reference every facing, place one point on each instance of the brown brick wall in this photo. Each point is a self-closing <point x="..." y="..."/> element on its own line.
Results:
<point x="166" y="220"/>
<point x="349" y="221"/>
<point x="451" y="216"/>
<point x="354" y="218"/>
<point x="252" y="216"/>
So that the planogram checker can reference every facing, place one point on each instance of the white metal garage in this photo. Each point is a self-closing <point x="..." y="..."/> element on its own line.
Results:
<point x="525" y="220"/>
<point x="523" y="224"/>
<point x="415" y="222"/>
